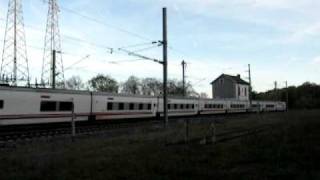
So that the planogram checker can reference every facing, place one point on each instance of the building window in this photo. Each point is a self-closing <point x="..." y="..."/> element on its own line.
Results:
<point x="245" y="91"/>
<point x="65" y="106"/>
<point x="239" y="93"/>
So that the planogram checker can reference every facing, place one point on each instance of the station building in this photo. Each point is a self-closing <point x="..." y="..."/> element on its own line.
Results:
<point x="230" y="87"/>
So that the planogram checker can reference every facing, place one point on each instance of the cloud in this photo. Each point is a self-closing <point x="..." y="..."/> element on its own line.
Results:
<point x="316" y="60"/>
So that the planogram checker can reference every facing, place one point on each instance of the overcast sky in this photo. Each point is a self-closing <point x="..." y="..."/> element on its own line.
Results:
<point x="279" y="38"/>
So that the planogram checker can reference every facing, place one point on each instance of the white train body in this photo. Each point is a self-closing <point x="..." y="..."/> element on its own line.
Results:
<point x="211" y="106"/>
<point x="109" y="106"/>
<point x="36" y="106"/>
<point x="179" y="106"/>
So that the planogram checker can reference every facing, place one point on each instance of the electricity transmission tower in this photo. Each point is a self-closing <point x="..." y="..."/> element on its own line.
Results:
<point x="52" y="67"/>
<point x="14" y="61"/>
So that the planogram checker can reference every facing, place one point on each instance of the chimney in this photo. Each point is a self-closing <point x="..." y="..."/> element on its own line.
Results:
<point x="238" y="76"/>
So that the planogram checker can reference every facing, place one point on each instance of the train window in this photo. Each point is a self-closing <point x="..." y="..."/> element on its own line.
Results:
<point x="175" y="106"/>
<point x="65" y="106"/>
<point x="168" y="105"/>
<point x="131" y="106"/>
<point x="48" y="106"/>
<point x="187" y="106"/>
<point x="140" y="106"/>
<point x="206" y="106"/>
<point x="121" y="106"/>
<point x="181" y="106"/>
<point x="149" y="106"/>
<point x="1" y="104"/>
<point x="192" y="106"/>
<point x="109" y="106"/>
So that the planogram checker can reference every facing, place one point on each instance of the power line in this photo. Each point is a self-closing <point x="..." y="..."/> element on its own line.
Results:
<point x="138" y="45"/>
<point x="125" y="61"/>
<point x="105" y="24"/>
<point x="145" y="49"/>
<point x="79" y="61"/>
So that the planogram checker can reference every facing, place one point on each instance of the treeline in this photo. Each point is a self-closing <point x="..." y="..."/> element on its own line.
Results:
<point x="133" y="85"/>
<point x="306" y="96"/>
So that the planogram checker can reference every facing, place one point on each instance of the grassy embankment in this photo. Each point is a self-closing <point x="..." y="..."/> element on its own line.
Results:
<point x="287" y="151"/>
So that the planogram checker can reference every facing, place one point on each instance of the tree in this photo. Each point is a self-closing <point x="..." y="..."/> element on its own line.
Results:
<point x="74" y="83"/>
<point x="151" y="87"/>
<point x="131" y="86"/>
<point x="104" y="83"/>
<point x="175" y="88"/>
<point x="204" y="95"/>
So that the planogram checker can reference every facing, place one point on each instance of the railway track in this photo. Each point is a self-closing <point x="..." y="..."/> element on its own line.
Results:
<point x="83" y="130"/>
<point x="11" y="135"/>
<point x="232" y="135"/>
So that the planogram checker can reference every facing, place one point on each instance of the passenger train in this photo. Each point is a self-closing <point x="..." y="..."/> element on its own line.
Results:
<point x="19" y="106"/>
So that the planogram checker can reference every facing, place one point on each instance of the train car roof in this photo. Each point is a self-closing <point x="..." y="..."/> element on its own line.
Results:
<point x="85" y="92"/>
<point x="42" y="90"/>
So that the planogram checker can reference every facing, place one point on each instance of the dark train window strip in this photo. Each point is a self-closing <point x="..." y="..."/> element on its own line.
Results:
<point x="48" y="106"/>
<point x="1" y="104"/>
<point x="65" y="106"/>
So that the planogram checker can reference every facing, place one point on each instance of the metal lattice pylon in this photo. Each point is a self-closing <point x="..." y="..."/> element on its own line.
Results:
<point x="52" y="44"/>
<point x="14" y="62"/>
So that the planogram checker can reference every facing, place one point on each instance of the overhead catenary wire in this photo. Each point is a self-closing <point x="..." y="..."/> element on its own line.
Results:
<point x="105" y="24"/>
<point x="139" y="45"/>
<point x="77" y="62"/>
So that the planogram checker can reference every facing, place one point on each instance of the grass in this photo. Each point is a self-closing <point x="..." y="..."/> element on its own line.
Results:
<point x="289" y="151"/>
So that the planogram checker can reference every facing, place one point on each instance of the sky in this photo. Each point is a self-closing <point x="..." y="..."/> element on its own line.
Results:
<point x="279" y="38"/>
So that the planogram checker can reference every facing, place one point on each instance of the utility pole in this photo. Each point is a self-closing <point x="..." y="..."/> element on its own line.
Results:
<point x="287" y="96"/>
<point x="250" y="86"/>
<point x="184" y="64"/>
<point x="275" y="90"/>
<point x="15" y="45"/>
<point x="165" y="66"/>
<point x="53" y="68"/>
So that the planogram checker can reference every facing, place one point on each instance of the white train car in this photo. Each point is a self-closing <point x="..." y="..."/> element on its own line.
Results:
<point x="234" y="106"/>
<point x="34" y="106"/>
<point x="281" y="106"/>
<point x="256" y="106"/>
<point x="211" y="106"/>
<point x="268" y="106"/>
<point x="179" y="106"/>
<point x="107" y="106"/>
